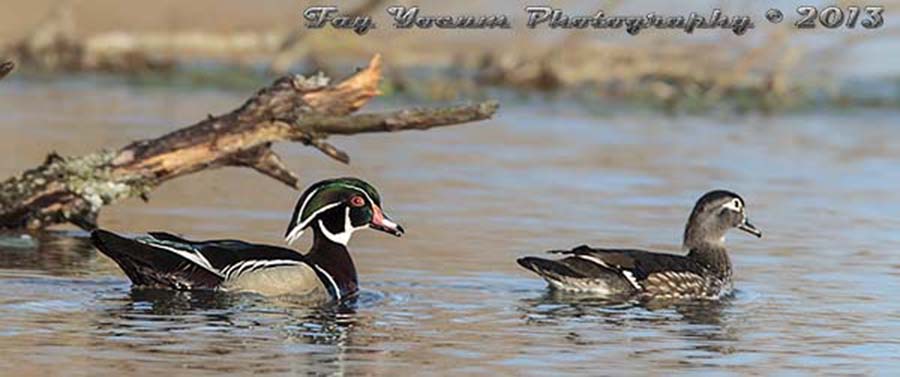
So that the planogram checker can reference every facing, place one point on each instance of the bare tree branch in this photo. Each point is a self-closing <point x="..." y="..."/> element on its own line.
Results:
<point x="293" y="108"/>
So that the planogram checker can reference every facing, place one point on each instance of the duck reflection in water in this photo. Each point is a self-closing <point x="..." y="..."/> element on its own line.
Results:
<point x="216" y="309"/>
<point x="235" y="328"/>
<point x="59" y="253"/>
<point x="706" y="323"/>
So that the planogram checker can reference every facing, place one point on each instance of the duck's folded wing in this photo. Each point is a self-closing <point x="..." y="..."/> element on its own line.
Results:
<point x="582" y="269"/>
<point x="166" y="260"/>
<point x="165" y="236"/>
<point x="636" y="265"/>
<point x="211" y="246"/>
<point x="157" y="265"/>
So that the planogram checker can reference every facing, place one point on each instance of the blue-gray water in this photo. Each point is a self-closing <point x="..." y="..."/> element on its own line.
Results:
<point x="816" y="295"/>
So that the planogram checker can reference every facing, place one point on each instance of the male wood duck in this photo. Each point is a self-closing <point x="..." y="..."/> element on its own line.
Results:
<point x="334" y="209"/>
<point x="704" y="273"/>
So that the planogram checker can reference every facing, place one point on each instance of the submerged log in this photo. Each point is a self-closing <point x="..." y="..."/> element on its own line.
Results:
<point x="293" y="108"/>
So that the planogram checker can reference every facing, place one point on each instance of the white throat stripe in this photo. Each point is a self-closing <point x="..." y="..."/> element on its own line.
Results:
<point x="342" y="238"/>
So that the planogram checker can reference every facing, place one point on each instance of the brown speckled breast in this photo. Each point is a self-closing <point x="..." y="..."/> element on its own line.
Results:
<point x="686" y="285"/>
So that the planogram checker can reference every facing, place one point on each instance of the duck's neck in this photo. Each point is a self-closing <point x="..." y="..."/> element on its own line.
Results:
<point x="711" y="255"/>
<point x="705" y="243"/>
<point x="335" y="260"/>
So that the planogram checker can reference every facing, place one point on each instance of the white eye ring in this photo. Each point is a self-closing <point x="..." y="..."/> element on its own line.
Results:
<point x="734" y="205"/>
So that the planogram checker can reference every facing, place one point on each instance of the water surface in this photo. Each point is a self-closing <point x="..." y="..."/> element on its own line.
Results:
<point x="815" y="295"/>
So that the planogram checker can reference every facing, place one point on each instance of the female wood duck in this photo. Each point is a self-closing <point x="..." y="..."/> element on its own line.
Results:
<point x="704" y="273"/>
<point x="334" y="209"/>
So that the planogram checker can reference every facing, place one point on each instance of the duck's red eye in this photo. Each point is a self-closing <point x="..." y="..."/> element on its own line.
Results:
<point x="357" y="201"/>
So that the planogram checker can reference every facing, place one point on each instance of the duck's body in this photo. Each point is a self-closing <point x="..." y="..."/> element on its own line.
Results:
<point x="637" y="273"/>
<point x="334" y="209"/>
<point x="163" y="260"/>
<point x="704" y="273"/>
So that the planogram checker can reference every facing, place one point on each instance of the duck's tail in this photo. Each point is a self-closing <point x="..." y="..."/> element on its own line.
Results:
<point x="146" y="265"/>
<point x="562" y="276"/>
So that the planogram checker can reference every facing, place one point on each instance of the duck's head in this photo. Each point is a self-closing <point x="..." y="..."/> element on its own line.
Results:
<point x="339" y="207"/>
<point x="715" y="213"/>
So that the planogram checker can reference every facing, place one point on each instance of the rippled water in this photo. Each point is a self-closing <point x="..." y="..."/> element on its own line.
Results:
<point x="816" y="294"/>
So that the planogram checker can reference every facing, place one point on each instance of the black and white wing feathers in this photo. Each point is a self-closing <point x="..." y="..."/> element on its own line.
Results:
<point x="166" y="260"/>
<point x="652" y="274"/>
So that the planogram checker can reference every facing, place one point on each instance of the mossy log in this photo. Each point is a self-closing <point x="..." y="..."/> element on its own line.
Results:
<point x="293" y="108"/>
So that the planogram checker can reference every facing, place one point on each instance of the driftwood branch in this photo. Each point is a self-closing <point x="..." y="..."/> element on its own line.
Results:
<point x="415" y="119"/>
<point x="293" y="108"/>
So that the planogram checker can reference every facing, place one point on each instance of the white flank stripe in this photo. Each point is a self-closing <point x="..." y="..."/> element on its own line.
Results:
<point x="244" y="267"/>
<point x="631" y="279"/>
<point x="337" y="290"/>
<point x="236" y="270"/>
<point x="227" y="270"/>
